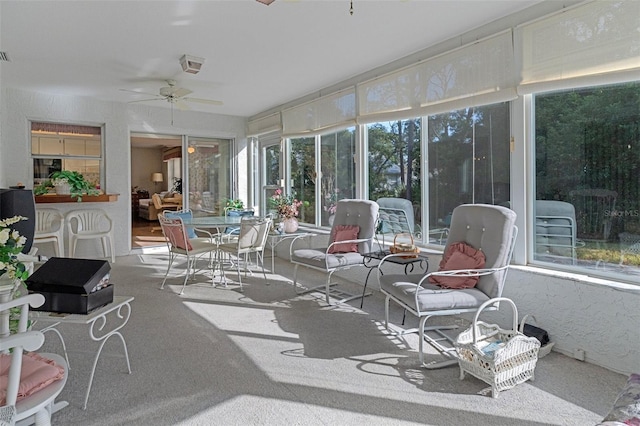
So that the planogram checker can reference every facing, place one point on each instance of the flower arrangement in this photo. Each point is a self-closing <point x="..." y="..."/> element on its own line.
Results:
<point x="11" y="243"/>
<point x="286" y="205"/>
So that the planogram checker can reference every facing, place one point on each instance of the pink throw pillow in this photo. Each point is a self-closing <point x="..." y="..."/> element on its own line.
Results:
<point x="37" y="373"/>
<point x="344" y="233"/>
<point x="459" y="256"/>
<point x="176" y="235"/>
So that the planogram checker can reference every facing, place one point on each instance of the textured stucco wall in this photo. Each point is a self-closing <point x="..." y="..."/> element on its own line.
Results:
<point x="119" y="119"/>
<point x="599" y="317"/>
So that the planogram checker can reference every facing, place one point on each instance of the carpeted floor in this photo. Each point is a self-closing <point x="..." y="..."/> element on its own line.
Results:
<point x="266" y="356"/>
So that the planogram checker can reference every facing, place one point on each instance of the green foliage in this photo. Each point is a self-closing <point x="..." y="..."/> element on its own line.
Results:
<point x="79" y="185"/>
<point x="235" y="204"/>
<point x="43" y="188"/>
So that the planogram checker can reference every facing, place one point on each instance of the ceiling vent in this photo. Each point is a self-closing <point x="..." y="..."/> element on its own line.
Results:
<point x="191" y="64"/>
<point x="4" y="57"/>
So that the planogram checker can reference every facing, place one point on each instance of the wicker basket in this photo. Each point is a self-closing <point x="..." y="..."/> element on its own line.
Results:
<point x="410" y="249"/>
<point x="498" y="357"/>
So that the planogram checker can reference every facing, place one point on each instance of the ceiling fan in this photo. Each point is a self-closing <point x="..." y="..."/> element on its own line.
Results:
<point x="174" y="95"/>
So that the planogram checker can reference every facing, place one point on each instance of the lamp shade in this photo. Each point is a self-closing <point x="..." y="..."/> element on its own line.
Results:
<point x="156" y="177"/>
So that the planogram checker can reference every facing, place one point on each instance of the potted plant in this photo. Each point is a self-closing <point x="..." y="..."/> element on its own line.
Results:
<point x="77" y="184"/>
<point x="236" y="204"/>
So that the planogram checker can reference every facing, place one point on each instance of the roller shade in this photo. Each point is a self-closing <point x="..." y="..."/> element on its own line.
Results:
<point x="263" y="125"/>
<point x="479" y="73"/>
<point x="593" y="43"/>
<point x="337" y="110"/>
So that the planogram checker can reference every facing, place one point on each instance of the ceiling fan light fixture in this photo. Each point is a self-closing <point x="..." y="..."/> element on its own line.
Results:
<point x="191" y="64"/>
<point x="267" y="2"/>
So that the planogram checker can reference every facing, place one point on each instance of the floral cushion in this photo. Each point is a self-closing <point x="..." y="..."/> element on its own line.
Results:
<point x="626" y="408"/>
<point x="459" y="255"/>
<point x="344" y="233"/>
<point x="37" y="373"/>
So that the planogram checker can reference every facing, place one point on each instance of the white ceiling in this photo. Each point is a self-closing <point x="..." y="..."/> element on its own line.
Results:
<point x="256" y="57"/>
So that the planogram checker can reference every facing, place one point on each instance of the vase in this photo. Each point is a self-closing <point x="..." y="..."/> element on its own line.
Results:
<point x="63" y="189"/>
<point x="290" y="225"/>
<point x="331" y="219"/>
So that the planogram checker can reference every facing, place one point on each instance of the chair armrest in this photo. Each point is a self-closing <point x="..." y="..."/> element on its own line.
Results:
<point x="300" y="237"/>
<point x="209" y="234"/>
<point x="359" y="240"/>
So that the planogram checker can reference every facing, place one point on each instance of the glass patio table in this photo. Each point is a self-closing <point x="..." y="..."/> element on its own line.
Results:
<point x="211" y="222"/>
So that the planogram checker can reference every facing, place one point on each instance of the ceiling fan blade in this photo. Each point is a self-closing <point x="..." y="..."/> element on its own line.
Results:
<point x="138" y="92"/>
<point x="180" y="92"/>
<point x="159" y="98"/>
<point x="203" y="101"/>
<point x="181" y="105"/>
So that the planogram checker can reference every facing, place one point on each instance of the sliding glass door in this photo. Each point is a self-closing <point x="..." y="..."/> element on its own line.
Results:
<point x="209" y="170"/>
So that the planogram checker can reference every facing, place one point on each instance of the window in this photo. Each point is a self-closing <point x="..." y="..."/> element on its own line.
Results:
<point x="394" y="162"/>
<point x="468" y="162"/>
<point x="56" y="147"/>
<point x="338" y="171"/>
<point x="303" y="177"/>
<point x="320" y="191"/>
<point x="272" y="178"/>
<point x="587" y="161"/>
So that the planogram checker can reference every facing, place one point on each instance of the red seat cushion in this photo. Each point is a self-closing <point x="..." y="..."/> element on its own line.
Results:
<point x="459" y="256"/>
<point x="344" y="233"/>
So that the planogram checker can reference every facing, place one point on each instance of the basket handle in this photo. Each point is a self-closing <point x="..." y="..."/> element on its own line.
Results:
<point x="524" y="320"/>
<point x="402" y="233"/>
<point x="491" y="302"/>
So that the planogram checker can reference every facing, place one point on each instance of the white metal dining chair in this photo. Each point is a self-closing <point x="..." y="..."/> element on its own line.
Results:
<point x="180" y="243"/>
<point x="90" y="224"/>
<point x="251" y="239"/>
<point x="50" y="229"/>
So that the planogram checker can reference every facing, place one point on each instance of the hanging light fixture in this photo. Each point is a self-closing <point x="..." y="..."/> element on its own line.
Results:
<point x="351" y="8"/>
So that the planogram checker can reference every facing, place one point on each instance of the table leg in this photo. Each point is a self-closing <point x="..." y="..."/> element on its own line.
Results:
<point x="95" y="362"/>
<point x="95" y="334"/>
<point x="366" y="281"/>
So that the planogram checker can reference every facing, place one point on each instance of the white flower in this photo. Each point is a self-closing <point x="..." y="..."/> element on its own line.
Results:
<point x="4" y="236"/>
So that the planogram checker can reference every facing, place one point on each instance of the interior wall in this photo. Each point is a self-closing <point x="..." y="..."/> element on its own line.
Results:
<point x="144" y="162"/>
<point x="119" y="119"/>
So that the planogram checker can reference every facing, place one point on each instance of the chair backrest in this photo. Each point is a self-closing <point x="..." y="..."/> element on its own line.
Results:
<point x="233" y="212"/>
<point x="491" y="229"/>
<point x="174" y="232"/>
<point x="555" y="228"/>
<point x="396" y="215"/>
<point x="48" y="221"/>
<point x="89" y="221"/>
<point x="253" y="233"/>
<point x="363" y="213"/>
<point x="20" y="341"/>
<point x="182" y="214"/>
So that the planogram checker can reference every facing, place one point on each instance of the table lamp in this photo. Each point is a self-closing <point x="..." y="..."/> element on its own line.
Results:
<point x="156" y="178"/>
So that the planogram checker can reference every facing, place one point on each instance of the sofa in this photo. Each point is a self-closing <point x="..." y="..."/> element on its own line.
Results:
<point x="148" y="209"/>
